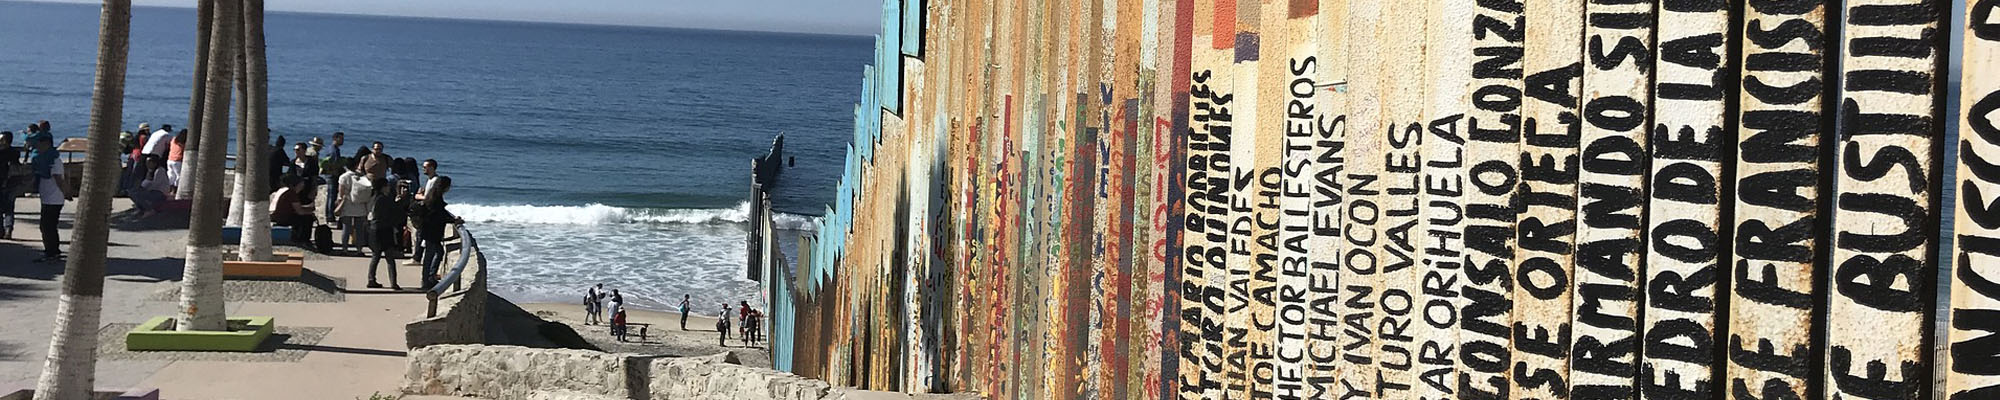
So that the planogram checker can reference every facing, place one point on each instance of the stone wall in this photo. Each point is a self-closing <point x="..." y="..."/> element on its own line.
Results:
<point x="461" y="315"/>
<point x="512" y="372"/>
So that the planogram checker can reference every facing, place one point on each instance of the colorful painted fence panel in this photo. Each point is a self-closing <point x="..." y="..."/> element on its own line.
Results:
<point x="1470" y="199"/>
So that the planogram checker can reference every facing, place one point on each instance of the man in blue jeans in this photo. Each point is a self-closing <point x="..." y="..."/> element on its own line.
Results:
<point x="434" y="218"/>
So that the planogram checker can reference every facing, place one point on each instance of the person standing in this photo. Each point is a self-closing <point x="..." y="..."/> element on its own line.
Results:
<point x="617" y="302"/>
<point x="176" y="152"/>
<point x="743" y="320"/>
<point x="388" y="210"/>
<point x="54" y="191"/>
<point x="722" y="326"/>
<point x="431" y="211"/>
<point x="376" y="164"/>
<point x="160" y="142"/>
<point x="357" y="197"/>
<point x="684" y="311"/>
<point x="280" y="165"/>
<point x="593" y="300"/>
<point x="304" y="164"/>
<point x="430" y="171"/>
<point x="331" y="159"/>
<point x="9" y="157"/>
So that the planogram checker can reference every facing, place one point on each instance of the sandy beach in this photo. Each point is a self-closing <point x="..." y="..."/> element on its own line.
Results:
<point x="665" y="336"/>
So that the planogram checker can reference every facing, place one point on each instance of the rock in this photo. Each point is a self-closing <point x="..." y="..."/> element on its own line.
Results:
<point x="705" y="378"/>
<point x="513" y="372"/>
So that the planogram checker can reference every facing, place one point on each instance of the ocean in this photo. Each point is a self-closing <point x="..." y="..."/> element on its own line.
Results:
<point x="580" y="154"/>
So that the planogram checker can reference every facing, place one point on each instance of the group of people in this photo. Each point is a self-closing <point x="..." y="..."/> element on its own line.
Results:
<point x="382" y="205"/>
<point x="153" y="165"/>
<point x="751" y="332"/>
<point x="608" y="308"/>
<point x="37" y="167"/>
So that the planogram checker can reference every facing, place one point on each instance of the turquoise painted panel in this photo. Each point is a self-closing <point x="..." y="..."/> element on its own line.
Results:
<point x="913" y="28"/>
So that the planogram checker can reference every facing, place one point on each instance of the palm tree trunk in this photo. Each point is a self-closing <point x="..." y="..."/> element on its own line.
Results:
<point x="70" y="370"/>
<point x="205" y="17"/>
<point x="235" y="216"/>
<point x="201" y="282"/>
<point x="256" y="237"/>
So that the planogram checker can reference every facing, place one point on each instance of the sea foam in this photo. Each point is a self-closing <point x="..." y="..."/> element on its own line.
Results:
<point x="599" y="214"/>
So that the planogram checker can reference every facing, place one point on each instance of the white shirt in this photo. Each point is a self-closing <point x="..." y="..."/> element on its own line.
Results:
<point x="359" y="195"/>
<point x="158" y="144"/>
<point x="52" y="193"/>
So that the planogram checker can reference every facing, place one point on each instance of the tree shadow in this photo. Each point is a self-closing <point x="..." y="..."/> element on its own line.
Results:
<point x="129" y="221"/>
<point x="121" y="269"/>
<point x="13" y="291"/>
<point x="338" y="349"/>
<point x="11" y="352"/>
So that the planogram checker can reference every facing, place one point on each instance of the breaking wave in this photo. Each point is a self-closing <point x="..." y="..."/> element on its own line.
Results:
<point x="599" y="214"/>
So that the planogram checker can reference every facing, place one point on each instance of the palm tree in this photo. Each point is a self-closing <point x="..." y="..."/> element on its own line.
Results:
<point x="201" y="282"/>
<point x="255" y="243"/>
<point x="205" y="17"/>
<point x="70" y="370"/>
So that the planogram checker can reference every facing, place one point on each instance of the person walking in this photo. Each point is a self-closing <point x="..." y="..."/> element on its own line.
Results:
<point x="722" y="326"/>
<point x="684" y="311"/>
<point x="10" y="156"/>
<point x="357" y="199"/>
<point x="431" y="211"/>
<point x="55" y="190"/>
<point x="387" y="211"/>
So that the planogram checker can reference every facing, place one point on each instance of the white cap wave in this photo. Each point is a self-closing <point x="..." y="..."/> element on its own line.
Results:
<point x="599" y="214"/>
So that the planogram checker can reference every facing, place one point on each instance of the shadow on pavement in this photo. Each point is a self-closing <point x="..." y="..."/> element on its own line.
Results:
<point x="121" y="269"/>
<point x="128" y="220"/>
<point x="345" y="350"/>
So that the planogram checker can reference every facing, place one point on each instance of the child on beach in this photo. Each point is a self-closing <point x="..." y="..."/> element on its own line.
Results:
<point x="684" y="311"/>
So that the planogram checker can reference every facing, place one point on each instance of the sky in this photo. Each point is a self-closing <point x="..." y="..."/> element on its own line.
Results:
<point x="848" y="17"/>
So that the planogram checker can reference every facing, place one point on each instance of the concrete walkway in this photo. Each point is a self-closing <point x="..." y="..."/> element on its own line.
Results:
<point x="363" y="353"/>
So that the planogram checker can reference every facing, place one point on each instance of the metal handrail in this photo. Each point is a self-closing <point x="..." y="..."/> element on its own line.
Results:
<point x="467" y="245"/>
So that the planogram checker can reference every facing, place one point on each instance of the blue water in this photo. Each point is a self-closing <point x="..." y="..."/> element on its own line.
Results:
<point x="585" y="154"/>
